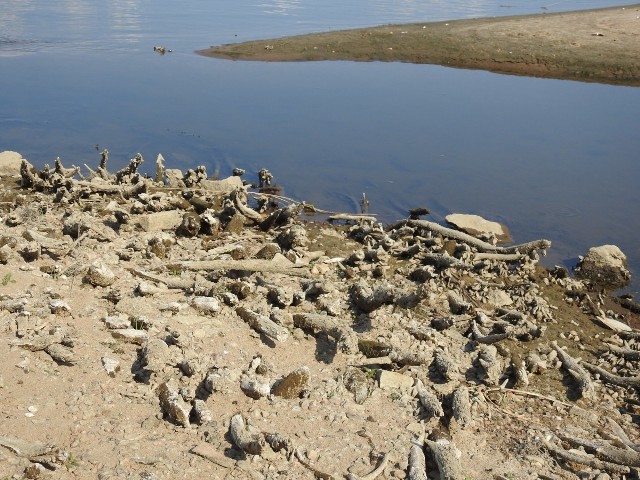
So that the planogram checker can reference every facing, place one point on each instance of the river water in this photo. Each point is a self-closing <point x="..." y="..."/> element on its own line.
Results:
<point x="549" y="158"/>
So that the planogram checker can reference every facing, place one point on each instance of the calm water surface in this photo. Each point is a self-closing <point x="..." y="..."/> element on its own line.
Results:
<point x="554" y="159"/>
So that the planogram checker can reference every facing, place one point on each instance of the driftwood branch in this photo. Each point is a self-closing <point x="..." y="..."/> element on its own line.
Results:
<point x="429" y="401"/>
<point x="244" y="440"/>
<point x="126" y="190"/>
<point x="240" y="202"/>
<point x="176" y="283"/>
<point x="607" y="377"/>
<point x="252" y="265"/>
<point x="446" y="456"/>
<point x="417" y="461"/>
<point x="317" y="473"/>
<point x="605" y="451"/>
<point x="382" y="464"/>
<point x="628" y="354"/>
<point x="346" y="217"/>
<point x="585" y="384"/>
<point x="501" y="257"/>
<point x="584" y="459"/>
<point x="477" y="243"/>
<point x="622" y="435"/>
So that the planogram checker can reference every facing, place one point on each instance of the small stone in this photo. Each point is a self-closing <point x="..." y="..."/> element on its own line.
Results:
<point x="113" y="322"/>
<point x="392" y="380"/>
<point x="158" y="221"/>
<point x="293" y="384"/>
<point x="24" y="364"/>
<point x="358" y="383"/>
<point x="498" y="298"/>
<point x="61" y="354"/>
<point x="130" y="335"/>
<point x="58" y="307"/>
<point x="111" y="366"/>
<point x="255" y="388"/>
<point x="100" y="275"/>
<point x="206" y="305"/>
<point x="174" y="408"/>
<point x="268" y="251"/>
<point x="200" y="413"/>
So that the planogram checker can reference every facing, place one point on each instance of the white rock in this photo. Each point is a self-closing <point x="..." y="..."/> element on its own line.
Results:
<point x="156" y="222"/>
<point x="224" y="186"/>
<point x="59" y="307"/>
<point x="206" y="305"/>
<point x="10" y="164"/>
<point x="113" y="322"/>
<point x="100" y="275"/>
<point x="605" y="266"/>
<point x="476" y="225"/>
<point x="392" y="381"/>
<point x="130" y="335"/>
<point x="498" y="298"/>
<point x="111" y="365"/>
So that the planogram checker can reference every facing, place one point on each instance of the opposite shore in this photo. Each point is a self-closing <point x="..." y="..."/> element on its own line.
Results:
<point x="600" y="45"/>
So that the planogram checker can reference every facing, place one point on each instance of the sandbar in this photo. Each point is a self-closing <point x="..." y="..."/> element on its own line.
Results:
<point x="601" y="45"/>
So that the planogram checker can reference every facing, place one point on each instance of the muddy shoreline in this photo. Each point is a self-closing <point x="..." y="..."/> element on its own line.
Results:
<point x="194" y="327"/>
<point x="593" y="45"/>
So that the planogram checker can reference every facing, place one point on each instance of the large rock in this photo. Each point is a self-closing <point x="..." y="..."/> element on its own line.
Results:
<point x="476" y="225"/>
<point x="605" y="267"/>
<point x="10" y="164"/>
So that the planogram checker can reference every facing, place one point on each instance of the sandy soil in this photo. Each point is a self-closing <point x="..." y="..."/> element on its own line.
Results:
<point x="120" y="359"/>
<point x="596" y="45"/>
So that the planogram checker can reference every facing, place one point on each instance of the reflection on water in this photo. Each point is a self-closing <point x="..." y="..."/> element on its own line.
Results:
<point x="279" y="7"/>
<point x="125" y="16"/>
<point x="548" y="158"/>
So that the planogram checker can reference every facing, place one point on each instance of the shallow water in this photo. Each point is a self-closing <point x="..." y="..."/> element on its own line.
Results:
<point x="555" y="159"/>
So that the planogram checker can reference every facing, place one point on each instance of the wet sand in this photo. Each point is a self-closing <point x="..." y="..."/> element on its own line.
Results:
<point x="593" y="45"/>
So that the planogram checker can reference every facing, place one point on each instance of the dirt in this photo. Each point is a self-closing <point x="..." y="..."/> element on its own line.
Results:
<point x="594" y="45"/>
<point x="337" y="412"/>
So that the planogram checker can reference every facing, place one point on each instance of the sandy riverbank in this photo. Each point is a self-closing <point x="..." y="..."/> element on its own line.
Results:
<point x="595" y="45"/>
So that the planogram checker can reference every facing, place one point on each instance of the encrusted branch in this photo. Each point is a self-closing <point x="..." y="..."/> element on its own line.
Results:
<point x="607" y="377"/>
<point x="477" y="243"/>
<point x="382" y="464"/>
<point x="584" y="459"/>
<point x="177" y="283"/>
<point x="585" y="384"/>
<point x="628" y="354"/>
<point x="417" y="461"/>
<point x="244" y="440"/>
<point x="445" y="454"/>
<point x="251" y="265"/>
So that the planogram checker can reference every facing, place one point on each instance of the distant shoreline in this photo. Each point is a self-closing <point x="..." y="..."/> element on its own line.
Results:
<point x="600" y="45"/>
